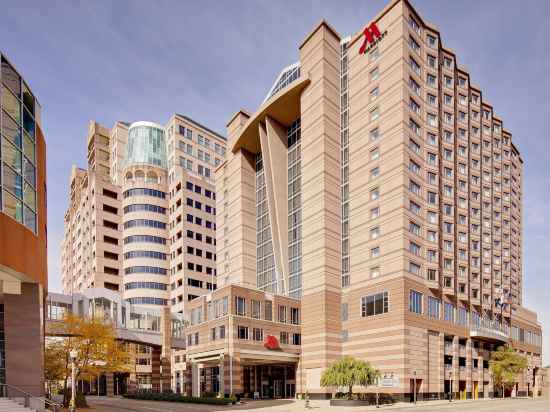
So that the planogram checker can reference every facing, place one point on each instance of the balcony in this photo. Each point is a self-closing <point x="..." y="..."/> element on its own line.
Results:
<point x="488" y="334"/>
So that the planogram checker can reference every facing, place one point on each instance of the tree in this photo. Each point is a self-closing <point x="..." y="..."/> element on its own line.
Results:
<point x="348" y="372"/>
<point x="505" y="365"/>
<point x="95" y="343"/>
<point x="54" y="363"/>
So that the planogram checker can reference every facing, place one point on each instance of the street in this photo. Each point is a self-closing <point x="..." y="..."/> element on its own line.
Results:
<point x="103" y="404"/>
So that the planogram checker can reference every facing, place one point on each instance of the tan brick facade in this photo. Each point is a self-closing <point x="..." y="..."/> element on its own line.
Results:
<point x="410" y="212"/>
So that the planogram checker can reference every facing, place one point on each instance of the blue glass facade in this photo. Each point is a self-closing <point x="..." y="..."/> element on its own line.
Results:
<point x="17" y="147"/>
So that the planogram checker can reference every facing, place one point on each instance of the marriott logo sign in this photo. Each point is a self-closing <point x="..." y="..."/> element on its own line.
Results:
<point x="372" y="37"/>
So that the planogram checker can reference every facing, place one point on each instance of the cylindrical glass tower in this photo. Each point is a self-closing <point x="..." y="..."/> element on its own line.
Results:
<point x="145" y="220"/>
<point x="146" y="145"/>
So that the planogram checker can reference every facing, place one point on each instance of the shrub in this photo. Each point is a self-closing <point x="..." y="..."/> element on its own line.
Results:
<point x="174" y="397"/>
<point x="81" y="400"/>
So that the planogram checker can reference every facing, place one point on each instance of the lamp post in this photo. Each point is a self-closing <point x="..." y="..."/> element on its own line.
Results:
<point x="73" y="355"/>
<point x="414" y="386"/>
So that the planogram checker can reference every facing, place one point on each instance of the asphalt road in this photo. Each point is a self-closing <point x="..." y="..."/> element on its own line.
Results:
<point x="508" y="405"/>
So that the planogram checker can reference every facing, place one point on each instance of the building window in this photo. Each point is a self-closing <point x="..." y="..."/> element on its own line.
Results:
<point x="295" y="316"/>
<point x="462" y="317"/>
<point x="414" y="229"/>
<point x="374" y="93"/>
<point x="415" y="302"/>
<point x="258" y="334"/>
<point x="268" y="310"/>
<point x="282" y="314"/>
<point x="374" y="114"/>
<point x="283" y="338"/>
<point x="242" y="332"/>
<point x="344" y="312"/>
<point x="433" y="307"/>
<point x="449" y="314"/>
<point x="372" y="305"/>
<point x="414" y="268"/>
<point x="296" y="339"/>
<point x="255" y="309"/>
<point x="374" y="74"/>
<point x="374" y="135"/>
<point x="240" y="306"/>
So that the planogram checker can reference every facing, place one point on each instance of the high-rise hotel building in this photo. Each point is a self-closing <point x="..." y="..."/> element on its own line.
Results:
<point x="372" y="207"/>
<point x="141" y="218"/>
<point x="144" y="211"/>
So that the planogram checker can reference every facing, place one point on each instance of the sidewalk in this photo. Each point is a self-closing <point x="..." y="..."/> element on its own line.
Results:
<point x="322" y="405"/>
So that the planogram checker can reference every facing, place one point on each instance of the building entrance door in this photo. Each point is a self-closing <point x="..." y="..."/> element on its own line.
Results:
<point x="290" y="390"/>
<point x="475" y="394"/>
<point x="278" y="389"/>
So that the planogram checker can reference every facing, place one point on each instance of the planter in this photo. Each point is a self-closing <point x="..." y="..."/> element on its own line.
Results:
<point x="346" y="402"/>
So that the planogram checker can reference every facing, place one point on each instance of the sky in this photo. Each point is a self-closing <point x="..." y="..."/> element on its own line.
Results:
<point x="145" y="60"/>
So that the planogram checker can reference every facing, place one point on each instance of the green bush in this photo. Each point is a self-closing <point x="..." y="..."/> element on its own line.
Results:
<point x="174" y="397"/>
<point x="81" y="400"/>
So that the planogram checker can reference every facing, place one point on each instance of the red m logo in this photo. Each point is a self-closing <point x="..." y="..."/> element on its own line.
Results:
<point x="271" y="342"/>
<point x="370" y="33"/>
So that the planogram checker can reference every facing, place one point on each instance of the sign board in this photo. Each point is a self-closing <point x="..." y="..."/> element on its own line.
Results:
<point x="372" y="37"/>
<point x="271" y="342"/>
<point x="388" y="381"/>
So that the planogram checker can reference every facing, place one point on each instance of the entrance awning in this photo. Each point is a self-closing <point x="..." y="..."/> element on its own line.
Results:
<point x="262" y="357"/>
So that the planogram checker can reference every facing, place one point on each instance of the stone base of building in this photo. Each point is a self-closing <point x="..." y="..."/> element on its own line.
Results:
<point x="23" y="346"/>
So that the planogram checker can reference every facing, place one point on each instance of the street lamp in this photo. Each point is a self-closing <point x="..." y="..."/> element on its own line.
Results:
<point x="414" y="386"/>
<point x="73" y="355"/>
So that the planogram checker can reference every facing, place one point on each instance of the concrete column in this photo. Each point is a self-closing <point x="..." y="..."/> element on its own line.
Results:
<point x="110" y="384"/>
<point x="236" y="194"/>
<point x="236" y="372"/>
<point x="132" y="384"/>
<point x="24" y="338"/>
<point x="456" y="369"/>
<point x="321" y="206"/>
<point x="469" y="387"/>
<point x="155" y="368"/>
<point x="187" y="386"/>
<point x="195" y="379"/>
<point x="165" y="374"/>
<point x="222" y="375"/>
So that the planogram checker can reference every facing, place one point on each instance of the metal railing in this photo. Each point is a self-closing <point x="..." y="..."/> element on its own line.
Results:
<point x="494" y="333"/>
<point x="39" y="404"/>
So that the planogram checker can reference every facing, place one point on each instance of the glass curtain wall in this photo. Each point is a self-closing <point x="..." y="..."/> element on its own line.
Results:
<point x="146" y="145"/>
<point x="266" y="278"/>
<point x="294" y="211"/>
<point x="18" y="148"/>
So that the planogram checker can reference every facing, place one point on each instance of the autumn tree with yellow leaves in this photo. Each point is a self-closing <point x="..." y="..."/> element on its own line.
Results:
<point x="98" y="351"/>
